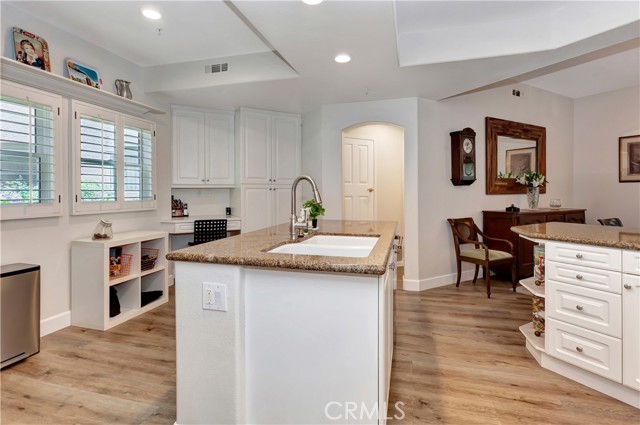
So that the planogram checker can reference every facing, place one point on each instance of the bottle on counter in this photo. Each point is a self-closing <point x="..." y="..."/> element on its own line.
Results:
<point x="185" y="210"/>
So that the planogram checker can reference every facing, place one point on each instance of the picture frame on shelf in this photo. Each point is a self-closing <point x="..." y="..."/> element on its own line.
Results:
<point x="82" y="73"/>
<point x="629" y="159"/>
<point x="519" y="161"/>
<point x="31" y="49"/>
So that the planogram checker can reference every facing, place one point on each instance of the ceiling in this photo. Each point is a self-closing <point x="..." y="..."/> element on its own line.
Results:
<point x="280" y="53"/>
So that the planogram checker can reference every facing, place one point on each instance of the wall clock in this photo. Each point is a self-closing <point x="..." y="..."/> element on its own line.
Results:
<point x="463" y="157"/>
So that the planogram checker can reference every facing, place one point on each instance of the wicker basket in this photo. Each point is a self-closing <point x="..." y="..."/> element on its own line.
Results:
<point x="149" y="258"/>
<point x="120" y="267"/>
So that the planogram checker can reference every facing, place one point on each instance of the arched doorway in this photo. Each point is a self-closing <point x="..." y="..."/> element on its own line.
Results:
<point x="373" y="173"/>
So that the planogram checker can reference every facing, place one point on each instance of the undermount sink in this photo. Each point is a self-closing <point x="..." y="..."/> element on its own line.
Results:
<point x="330" y="245"/>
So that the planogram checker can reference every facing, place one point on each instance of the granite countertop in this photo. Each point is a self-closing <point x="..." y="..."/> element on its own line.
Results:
<point x="249" y="249"/>
<point x="587" y="234"/>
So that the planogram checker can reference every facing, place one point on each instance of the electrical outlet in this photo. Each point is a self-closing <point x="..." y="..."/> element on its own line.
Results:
<point x="214" y="296"/>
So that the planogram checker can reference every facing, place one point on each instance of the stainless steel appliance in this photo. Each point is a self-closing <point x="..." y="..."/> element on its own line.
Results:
<point x="19" y="312"/>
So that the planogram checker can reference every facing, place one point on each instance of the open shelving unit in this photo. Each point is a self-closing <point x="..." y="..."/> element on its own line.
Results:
<point x="91" y="279"/>
<point x="535" y="344"/>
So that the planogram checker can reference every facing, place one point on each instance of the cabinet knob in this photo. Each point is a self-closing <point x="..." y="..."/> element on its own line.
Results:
<point x="578" y="255"/>
<point x="579" y="307"/>
<point x="579" y="276"/>
<point x="579" y="349"/>
<point x="627" y="286"/>
<point x="202" y="180"/>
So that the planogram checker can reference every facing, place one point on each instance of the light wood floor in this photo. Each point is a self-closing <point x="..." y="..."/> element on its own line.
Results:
<point x="459" y="359"/>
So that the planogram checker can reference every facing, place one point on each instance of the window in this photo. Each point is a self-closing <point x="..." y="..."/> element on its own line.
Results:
<point x="30" y="153"/>
<point x="114" y="159"/>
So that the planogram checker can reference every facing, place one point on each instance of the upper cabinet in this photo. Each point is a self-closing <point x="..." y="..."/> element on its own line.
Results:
<point x="203" y="148"/>
<point x="270" y="146"/>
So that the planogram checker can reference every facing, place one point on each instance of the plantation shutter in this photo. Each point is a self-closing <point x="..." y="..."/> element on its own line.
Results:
<point x="98" y="180"/>
<point x="29" y="169"/>
<point x="138" y="164"/>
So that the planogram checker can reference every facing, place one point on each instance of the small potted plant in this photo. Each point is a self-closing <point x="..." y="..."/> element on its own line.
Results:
<point x="315" y="210"/>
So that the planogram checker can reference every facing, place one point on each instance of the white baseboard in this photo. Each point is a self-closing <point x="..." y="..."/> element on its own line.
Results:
<point x="435" y="282"/>
<point x="55" y="323"/>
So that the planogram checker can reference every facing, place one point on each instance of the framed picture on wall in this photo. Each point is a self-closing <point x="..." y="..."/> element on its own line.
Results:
<point x="520" y="161"/>
<point x="31" y="49"/>
<point x="82" y="73"/>
<point x="629" y="158"/>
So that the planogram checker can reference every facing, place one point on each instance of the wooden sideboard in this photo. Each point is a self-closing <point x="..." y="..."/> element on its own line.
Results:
<point x="498" y="224"/>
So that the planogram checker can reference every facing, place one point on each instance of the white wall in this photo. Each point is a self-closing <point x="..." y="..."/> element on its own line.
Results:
<point x="47" y="241"/>
<point x="440" y="200"/>
<point x="336" y="118"/>
<point x="599" y="121"/>
<point x="388" y="142"/>
<point x="430" y="198"/>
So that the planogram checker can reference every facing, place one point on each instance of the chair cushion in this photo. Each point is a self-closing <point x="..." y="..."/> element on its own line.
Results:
<point x="478" y="254"/>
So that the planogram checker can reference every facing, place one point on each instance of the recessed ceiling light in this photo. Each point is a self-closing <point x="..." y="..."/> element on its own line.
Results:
<point x="312" y="2"/>
<point x="151" y="14"/>
<point x="343" y="58"/>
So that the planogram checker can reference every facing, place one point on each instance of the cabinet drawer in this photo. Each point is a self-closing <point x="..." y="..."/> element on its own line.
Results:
<point x="597" y="353"/>
<point x="587" y="277"/>
<point x="584" y="255"/>
<point x="233" y="224"/>
<point x="631" y="262"/>
<point x="595" y="310"/>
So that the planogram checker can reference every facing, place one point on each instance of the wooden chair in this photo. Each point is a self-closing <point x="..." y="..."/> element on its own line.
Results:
<point x="610" y="221"/>
<point x="466" y="232"/>
<point x="208" y="230"/>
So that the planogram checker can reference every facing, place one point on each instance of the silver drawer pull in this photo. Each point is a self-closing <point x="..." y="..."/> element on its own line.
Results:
<point x="579" y="349"/>
<point x="579" y="276"/>
<point x="578" y="255"/>
<point x="627" y="286"/>
<point x="579" y="307"/>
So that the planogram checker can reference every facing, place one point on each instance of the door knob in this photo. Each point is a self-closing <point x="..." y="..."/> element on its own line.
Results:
<point x="370" y="189"/>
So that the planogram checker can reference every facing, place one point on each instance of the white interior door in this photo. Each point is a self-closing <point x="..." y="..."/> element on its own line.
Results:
<point x="358" y="189"/>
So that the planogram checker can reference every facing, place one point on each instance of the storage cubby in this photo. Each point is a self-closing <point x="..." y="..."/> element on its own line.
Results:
<point x="93" y="274"/>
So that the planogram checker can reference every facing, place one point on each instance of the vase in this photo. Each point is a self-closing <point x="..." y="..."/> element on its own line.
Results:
<point x="533" y="195"/>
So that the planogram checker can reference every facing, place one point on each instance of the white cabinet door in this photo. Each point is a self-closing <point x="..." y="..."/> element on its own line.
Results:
<point x="286" y="153"/>
<point x="256" y="207"/>
<point x="219" y="148"/>
<point x="255" y="128"/>
<point x="188" y="147"/>
<point x="631" y="331"/>
<point x="281" y="204"/>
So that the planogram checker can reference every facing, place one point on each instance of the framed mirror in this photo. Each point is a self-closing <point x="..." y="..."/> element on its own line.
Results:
<point x="513" y="148"/>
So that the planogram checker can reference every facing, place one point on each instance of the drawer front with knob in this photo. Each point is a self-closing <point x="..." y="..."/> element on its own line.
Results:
<point x="597" y="353"/>
<point x="595" y="310"/>
<point x="584" y="255"/>
<point x="631" y="262"/>
<point x="604" y="280"/>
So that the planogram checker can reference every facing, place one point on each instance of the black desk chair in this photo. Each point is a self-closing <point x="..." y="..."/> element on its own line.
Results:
<point x="208" y="230"/>
<point x="610" y="221"/>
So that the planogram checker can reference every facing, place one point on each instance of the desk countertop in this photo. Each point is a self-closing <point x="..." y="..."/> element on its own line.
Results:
<point x="250" y="249"/>
<point x="192" y="218"/>
<point x="586" y="234"/>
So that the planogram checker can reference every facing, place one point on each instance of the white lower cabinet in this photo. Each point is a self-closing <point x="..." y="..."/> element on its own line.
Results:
<point x="593" y="316"/>
<point x="265" y="206"/>
<point x="138" y="276"/>
<point x="631" y="331"/>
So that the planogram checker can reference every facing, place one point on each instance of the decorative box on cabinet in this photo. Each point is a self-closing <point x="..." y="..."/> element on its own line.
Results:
<point x="91" y="280"/>
<point x="203" y="148"/>
<point x="498" y="224"/>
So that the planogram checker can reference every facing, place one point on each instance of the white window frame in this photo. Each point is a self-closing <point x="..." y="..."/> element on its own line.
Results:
<point x="53" y="209"/>
<point x="119" y="205"/>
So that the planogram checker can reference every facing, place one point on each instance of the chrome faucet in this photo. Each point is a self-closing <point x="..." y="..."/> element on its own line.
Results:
<point x="293" y="225"/>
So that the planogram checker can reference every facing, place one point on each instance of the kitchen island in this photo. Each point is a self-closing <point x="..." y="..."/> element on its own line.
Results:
<point x="591" y="294"/>
<point x="291" y="338"/>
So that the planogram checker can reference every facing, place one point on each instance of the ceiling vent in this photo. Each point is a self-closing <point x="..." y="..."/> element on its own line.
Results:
<point x="216" y="67"/>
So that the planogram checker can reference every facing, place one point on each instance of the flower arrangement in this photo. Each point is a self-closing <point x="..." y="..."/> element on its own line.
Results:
<point x="531" y="179"/>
